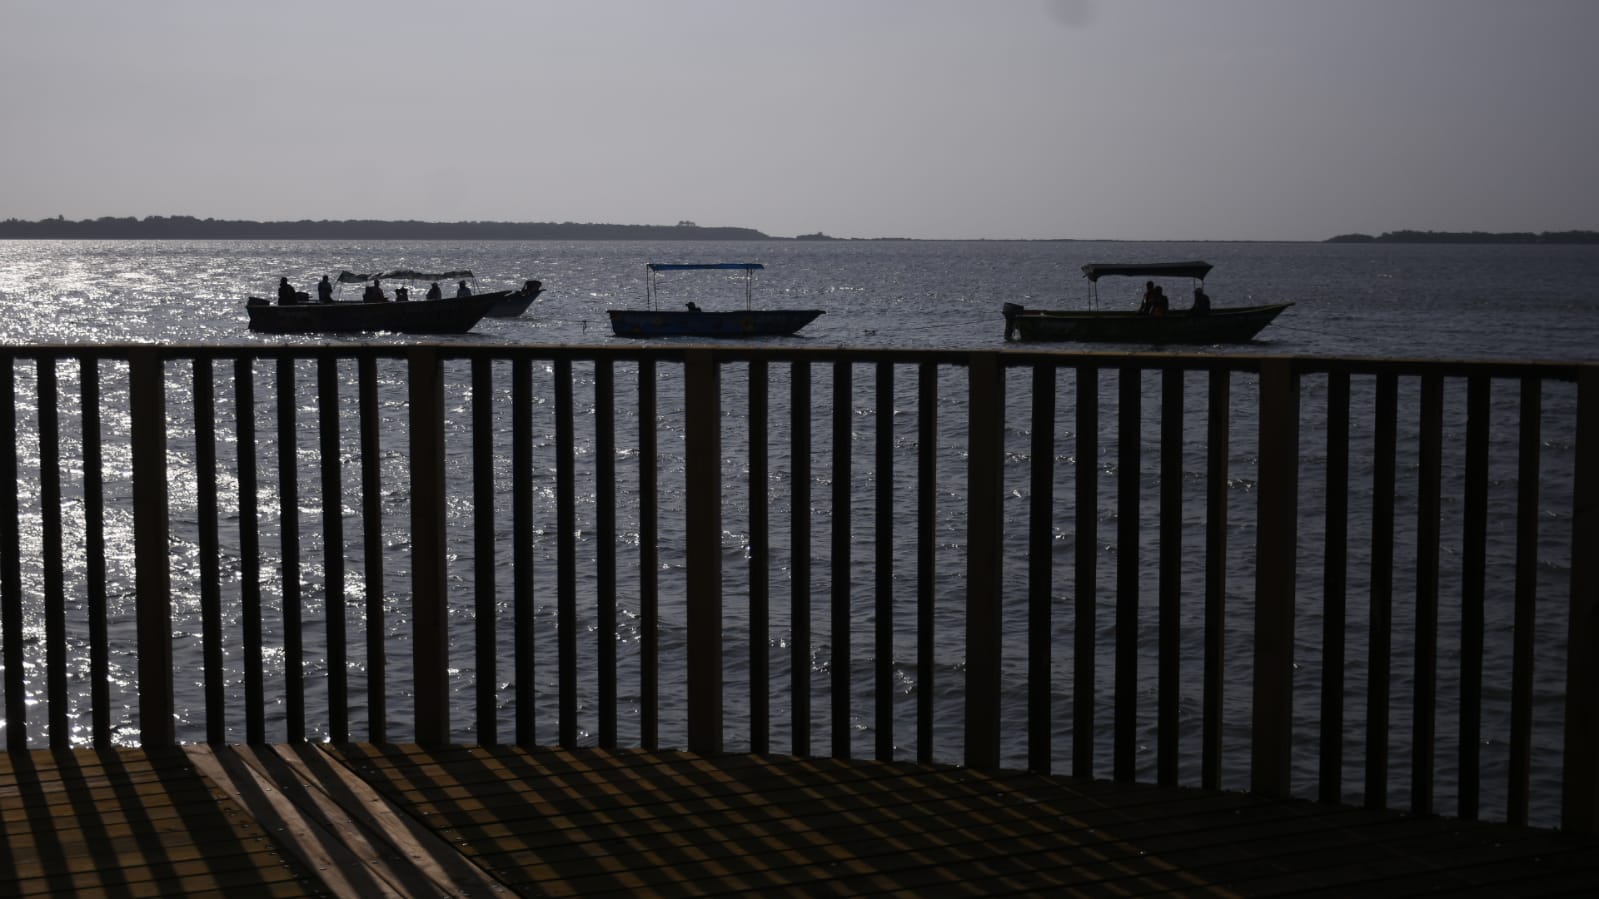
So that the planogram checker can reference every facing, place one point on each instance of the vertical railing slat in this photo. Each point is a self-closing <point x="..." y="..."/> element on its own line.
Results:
<point x="605" y="546"/>
<point x="1169" y="672"/>
<point x="1525" y="649"/>
<point x="522" y="548"/>
<point x="1429" y="490"/>
<point x="1473" y="595"/>
<point x="1275" y="548"/>
<point x="883" y="626"/>
<point x="649" y="574"/>
<point x="800" y="535"/>
<point x="430" y="645"/>
<point x="327" y="371"/>
<point x="702" y="450"/>
<point x="372" y="547"/>
<point x="289" y="543"/>
<point x="249" y="551"/>
<point x="1334" y="590"/>
<point x="11" y="564"/>
<point x="55" y="599"/>
<point x="984" y="552"/>
<point x="760" y="560"/>
<point x="926" y="557"/>
<point x="205" y="475"/>
<point x="565" y="557"/>
<point x="94" y="552"/>
<point x="1086" y="575"/>
<point x="486" y="678"/>
<point x="1579" y="806"/>
<point x="1040" y="572"/>
<point x="1129" y="449"/>
<point x="1217" y="442"/>
<point x="1379" y="641"/>
<point x="151" y="530"/>
<point x="839" y="570"/>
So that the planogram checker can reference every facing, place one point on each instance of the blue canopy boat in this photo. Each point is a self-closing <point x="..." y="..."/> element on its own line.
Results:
<point x="696" y="322"/>
<point x="1229" y="324"/>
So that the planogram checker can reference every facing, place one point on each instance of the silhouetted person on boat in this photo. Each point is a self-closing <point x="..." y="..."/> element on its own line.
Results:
<point x="401" y="294"/>
<point x="374" y="293"/>
<point x="1201" y="302"/>
<point x="693" y="306"/>
<point x="324" y="290"/>
<point x="1159" y="307"/>
<point x="434" y="293"/>
<point x="1148" y="304"/>
<point x="286" y="293"/>
<point x="532" y="287"/>
<point x="463" y="290"/>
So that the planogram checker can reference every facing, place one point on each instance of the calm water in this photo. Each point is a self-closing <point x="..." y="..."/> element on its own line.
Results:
<point x="1468" y="302"/>
<point x="1376" y="301"/>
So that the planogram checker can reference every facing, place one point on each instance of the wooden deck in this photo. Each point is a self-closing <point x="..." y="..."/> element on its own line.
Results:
<point x="375" y="820"/>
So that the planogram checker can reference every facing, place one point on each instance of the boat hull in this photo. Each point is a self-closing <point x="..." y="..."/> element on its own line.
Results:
<point x="513" y="304"/>
<point x="456" y="315"/>
<point x="1238" y="324"/>
<point x="749" y="323"/>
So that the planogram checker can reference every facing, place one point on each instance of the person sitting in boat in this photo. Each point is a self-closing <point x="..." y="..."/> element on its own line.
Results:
<point x="532" y="287"/>
<point x="1201" y="302"/>
<point x="434" y="293"/>
<point x="286" y="293"/>
<point x="463" y="290"/>
<point x="374" y="293"/>
<point x="1161" y="305"/>
<point x="401" y="294"/>
<point x="1148" y="303"/>
<point x="324" y="290"/>
<point x="693" y="306"/>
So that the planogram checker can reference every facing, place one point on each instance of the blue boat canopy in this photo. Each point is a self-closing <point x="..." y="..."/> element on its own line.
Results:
<point x="1192" y="269"/>
<point x="698" y="266"/>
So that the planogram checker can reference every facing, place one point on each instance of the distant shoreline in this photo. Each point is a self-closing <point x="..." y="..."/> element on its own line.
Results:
<point x="189" y="228"/>
<point x="1512" y="237"/>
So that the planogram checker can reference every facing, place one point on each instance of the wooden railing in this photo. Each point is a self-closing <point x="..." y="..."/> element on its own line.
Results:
<point x="968" y="449"/>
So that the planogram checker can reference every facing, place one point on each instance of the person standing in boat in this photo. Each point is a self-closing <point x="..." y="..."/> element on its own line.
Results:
<point x="286" y="294"/>
<point x="324" y="290"/>
<point x="463" y="290"/>
<point x="434" y="293"/>
<point x="1201" y="302"/>
<point x="401" y="294"/>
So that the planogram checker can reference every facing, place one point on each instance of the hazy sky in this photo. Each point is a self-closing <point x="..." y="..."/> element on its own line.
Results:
<point x="1127" y="119"/>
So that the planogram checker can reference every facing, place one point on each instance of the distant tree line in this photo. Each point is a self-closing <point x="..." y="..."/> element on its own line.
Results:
<point x="1470" y="237"/>
<point x="183" y="227"/>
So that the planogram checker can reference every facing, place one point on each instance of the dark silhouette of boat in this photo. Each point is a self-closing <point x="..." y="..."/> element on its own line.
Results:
<point x="1222" y="324"/>
<point x="451" y="315"/>
<point x="696" y="322"/>
<point x="517" y="301"/>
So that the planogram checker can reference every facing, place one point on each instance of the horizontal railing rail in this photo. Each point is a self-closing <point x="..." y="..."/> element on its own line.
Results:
<point x="1259" y="572"/>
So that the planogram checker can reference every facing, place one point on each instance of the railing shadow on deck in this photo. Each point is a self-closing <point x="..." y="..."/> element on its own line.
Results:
<point x="253" y="544"/>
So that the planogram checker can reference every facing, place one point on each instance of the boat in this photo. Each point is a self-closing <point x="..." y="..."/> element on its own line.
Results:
<point x="1221" y="324"/>
<point x="517" y="301"/>
<point x="693" y="321"/>
<point x="449" y="315"/>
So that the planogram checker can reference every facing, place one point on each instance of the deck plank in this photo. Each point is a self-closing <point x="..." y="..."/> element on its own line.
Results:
<point x="398" y="820"/>
<point x="132" y="823"/>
